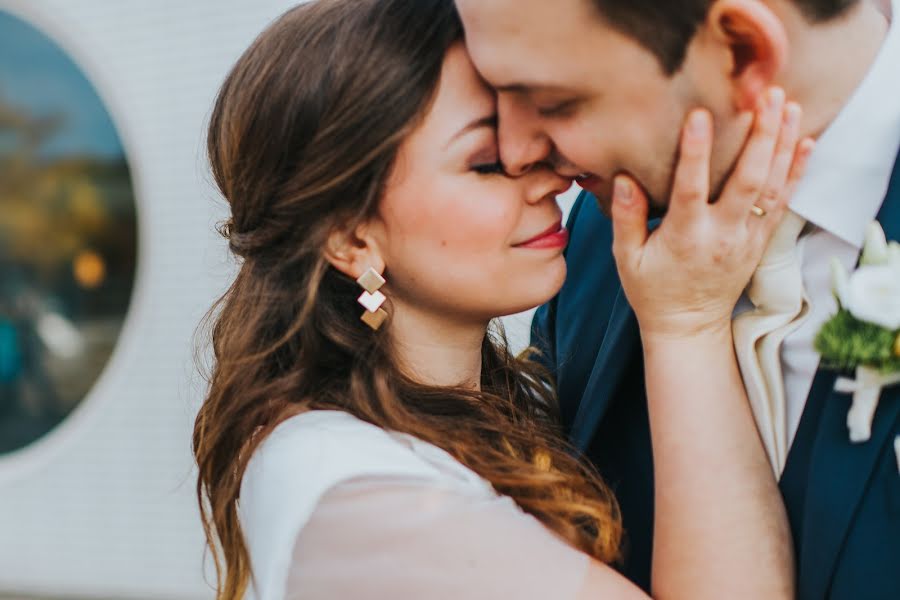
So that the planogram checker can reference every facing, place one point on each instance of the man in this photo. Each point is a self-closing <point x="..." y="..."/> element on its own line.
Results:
<point x="601" y="88"/>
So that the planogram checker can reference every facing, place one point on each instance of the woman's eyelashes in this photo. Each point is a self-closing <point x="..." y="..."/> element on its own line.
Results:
<point x="493" y="168"/>
<point x="485" y="158"/>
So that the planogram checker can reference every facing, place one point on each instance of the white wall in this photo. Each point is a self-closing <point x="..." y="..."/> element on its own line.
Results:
<point x="104" y="506"/>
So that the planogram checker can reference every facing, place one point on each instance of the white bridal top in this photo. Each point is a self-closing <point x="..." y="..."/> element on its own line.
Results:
<point x="334" y="507"/>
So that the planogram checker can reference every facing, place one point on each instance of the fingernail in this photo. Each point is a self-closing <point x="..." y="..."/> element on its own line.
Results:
<point x="624" y="192"/>
<point x="698" y="124"/>
<point x="776" y="98"/>
<point x="792" y="114"/>
<point x="808" y="145"/>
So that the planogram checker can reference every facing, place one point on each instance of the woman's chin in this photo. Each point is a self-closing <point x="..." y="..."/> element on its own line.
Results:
<point x="541" y="289"/>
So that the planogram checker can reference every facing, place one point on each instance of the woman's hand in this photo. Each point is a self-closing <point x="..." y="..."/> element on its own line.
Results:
<point x="686" y="277"/>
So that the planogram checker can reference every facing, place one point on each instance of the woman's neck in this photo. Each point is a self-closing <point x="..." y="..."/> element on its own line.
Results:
<point x="437" y="350"/>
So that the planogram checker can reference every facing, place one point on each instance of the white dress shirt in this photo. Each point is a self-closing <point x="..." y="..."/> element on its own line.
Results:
<point x="841" y="194"/>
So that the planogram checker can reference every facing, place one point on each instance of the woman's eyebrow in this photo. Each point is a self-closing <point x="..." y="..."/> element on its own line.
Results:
<point x="488" y="121"/>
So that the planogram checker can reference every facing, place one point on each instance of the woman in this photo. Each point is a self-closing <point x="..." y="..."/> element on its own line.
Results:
<point x="406" y="454"/>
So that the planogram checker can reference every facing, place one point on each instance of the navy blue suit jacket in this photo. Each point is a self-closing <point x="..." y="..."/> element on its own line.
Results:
<point x="843" y="499"/>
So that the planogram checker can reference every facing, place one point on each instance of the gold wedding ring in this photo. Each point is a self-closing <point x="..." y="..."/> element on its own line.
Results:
<point x="759" y="212"/>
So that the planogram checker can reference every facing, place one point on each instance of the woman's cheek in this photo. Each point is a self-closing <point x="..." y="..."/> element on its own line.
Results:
<point x="477" y="216"/>
<point x="486" y="221"/>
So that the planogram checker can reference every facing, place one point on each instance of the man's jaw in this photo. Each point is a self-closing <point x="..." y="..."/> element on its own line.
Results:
<point x="589" y="181"/>
<point x="600" y="187"/>
<point x="602" y="190"/>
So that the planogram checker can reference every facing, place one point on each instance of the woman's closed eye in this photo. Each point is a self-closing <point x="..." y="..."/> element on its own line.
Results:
<point x="486" y="160"/>
<point x="494" y="168"/>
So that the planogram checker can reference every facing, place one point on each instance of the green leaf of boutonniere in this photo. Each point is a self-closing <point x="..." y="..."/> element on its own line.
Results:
<point x="846" y="342"/>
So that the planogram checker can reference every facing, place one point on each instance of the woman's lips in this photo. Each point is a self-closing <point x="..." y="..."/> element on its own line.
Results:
<point x="554" y="237"/>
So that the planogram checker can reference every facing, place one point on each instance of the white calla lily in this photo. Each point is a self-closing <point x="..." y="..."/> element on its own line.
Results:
<point x="897" y="451"/>
<point x="875" y="251"/>
<point x="894" y="254"/>
<point x="840" y="281"/>
<point x="873" y="295"/>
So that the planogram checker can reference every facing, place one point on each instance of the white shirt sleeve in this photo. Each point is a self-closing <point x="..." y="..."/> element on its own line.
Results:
<point x="389" y="538"/>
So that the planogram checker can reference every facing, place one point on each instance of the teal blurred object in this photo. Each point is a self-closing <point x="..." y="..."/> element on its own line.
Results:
<point x="10" y="353"/>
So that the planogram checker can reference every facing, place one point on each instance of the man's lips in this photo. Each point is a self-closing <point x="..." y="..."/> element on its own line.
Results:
<point x="600" y="187"/>
<point x="589" y="181"/>
<point x="555" y="236"/>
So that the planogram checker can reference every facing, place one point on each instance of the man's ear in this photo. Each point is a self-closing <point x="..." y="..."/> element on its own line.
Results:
<point x="757" y="43"/>
<point x="354" y="252"/>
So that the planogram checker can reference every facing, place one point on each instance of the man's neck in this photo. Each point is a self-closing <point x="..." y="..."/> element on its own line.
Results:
<point x="829" y="61"/>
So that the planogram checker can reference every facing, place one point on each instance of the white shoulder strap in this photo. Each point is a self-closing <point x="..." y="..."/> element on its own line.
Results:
<point x="294" y="467"/>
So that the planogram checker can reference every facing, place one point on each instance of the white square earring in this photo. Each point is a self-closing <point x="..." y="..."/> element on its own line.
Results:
<point x="371" y="299"/>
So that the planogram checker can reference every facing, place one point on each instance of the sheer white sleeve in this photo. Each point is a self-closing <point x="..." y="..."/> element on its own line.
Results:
<point x="380" y="538"/>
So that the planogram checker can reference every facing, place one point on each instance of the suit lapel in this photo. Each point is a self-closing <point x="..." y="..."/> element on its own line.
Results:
<point x="838" y="477"/>
<point x="619" y="341"/>
<point x="795" y="478"/>
<point x="839" y="470"/>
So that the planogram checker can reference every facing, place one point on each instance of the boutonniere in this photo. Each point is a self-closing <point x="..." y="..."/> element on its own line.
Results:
<point x="864" y="336"/>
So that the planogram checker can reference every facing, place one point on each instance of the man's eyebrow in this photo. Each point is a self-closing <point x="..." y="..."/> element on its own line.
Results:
<point x="488" y="121"/>
<point x="526" y="88"/>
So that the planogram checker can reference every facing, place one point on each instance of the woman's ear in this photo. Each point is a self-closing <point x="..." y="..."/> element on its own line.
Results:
<point x="757" y="43"/>
<point x="354" y="252"/>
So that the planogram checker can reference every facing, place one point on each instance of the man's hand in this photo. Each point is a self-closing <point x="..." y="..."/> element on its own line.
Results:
<point x="686" y="277"/>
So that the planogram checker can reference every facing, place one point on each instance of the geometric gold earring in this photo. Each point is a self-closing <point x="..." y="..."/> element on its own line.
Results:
<point x="371" y="299"/>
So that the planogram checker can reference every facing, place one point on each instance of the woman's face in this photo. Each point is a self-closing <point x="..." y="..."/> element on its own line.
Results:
<point x="458" y="237"/>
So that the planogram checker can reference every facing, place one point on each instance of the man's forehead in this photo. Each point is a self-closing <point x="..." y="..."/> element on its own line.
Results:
<point x="531" y="19"/>
<point x="527" y="35"/>
<point x="517" y="77"/>
<point x="512" y="65"/>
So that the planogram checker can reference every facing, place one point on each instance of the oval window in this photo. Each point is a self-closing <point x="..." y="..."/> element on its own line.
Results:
<point x="68" y="235"/>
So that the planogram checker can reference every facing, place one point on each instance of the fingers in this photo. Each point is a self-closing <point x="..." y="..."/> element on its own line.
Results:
<point x="774" y="196"/>
<point x="629" y="214"/>
<point x="799" y="161"/>
<point x="690" y="189"/>
<point x="747" y="182"/>
<point x="798" y="168"/>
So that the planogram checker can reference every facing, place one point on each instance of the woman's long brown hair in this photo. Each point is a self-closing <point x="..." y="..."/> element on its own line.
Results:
<point x="302" y="139"/>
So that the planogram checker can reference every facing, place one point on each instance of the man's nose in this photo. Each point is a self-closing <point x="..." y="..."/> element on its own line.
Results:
<point x="522" y="142"/>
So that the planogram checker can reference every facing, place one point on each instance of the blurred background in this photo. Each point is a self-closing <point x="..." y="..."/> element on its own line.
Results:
<point x="108" y="261"/>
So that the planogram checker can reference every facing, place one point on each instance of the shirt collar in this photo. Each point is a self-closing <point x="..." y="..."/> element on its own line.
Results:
<point x="850" y="169"/>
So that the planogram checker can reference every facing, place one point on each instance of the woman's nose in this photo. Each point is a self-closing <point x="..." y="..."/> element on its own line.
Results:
<point x="546" y="183"/>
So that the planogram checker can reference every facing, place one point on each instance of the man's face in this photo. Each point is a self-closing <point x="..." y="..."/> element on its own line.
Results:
<point x="578" y="93"/>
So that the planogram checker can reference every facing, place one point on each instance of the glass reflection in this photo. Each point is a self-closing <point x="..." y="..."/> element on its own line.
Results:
<point x="67" y="234"/>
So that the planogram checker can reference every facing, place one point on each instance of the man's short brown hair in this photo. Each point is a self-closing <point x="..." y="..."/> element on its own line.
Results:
<point x="666" y="27"/>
